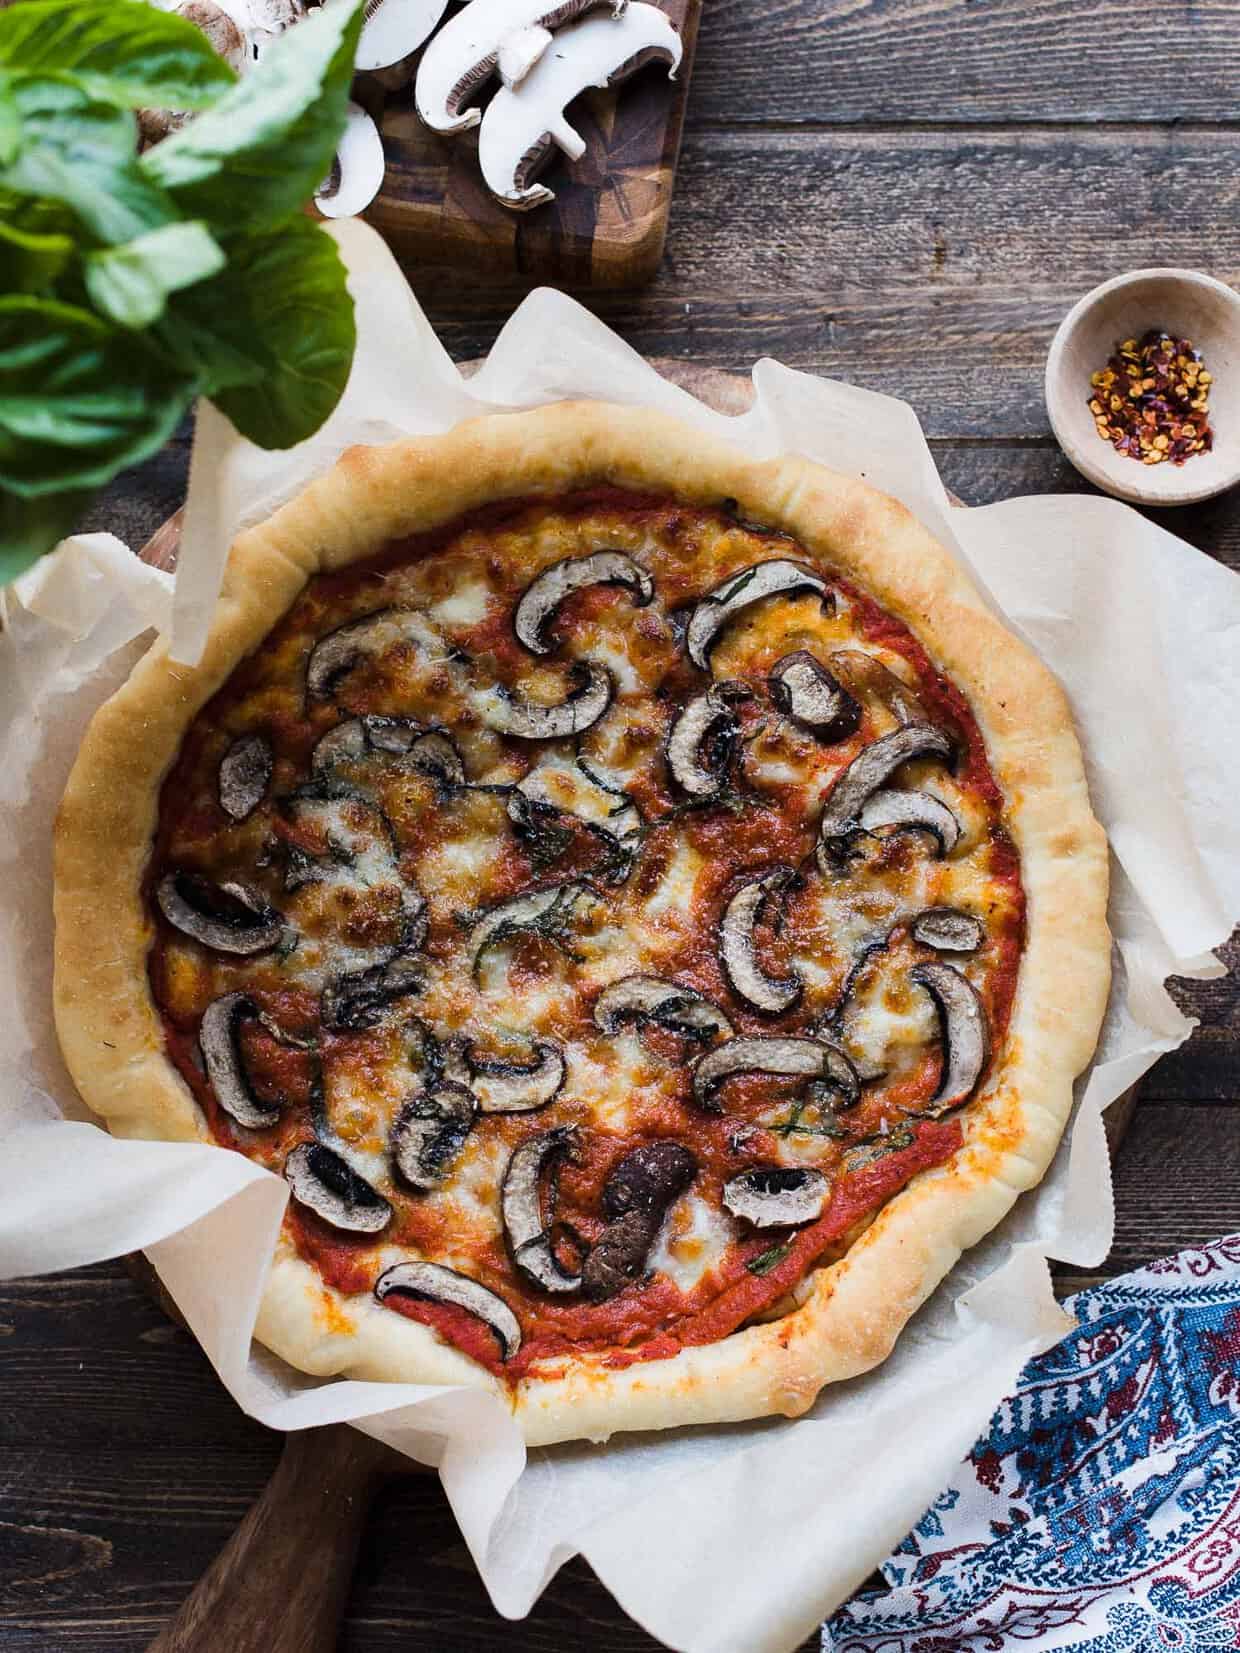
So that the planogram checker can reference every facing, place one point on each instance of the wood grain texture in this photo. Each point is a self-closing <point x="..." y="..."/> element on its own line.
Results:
<point x="607" y="224"/>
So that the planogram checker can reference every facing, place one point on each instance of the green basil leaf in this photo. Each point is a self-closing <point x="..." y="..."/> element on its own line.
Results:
<point x="10" y="126"/>
<point x="78" y="400"/>
<point x="765" y="1261"/>
<point x="31" y="263"/>
<point x="274" y="332"/>
<point x="131" y="283"/>
<point x="31" y="527"/>
<point x="263" y="149"/>
<point x="120" y="51"/>
<point x="82" y="153"/>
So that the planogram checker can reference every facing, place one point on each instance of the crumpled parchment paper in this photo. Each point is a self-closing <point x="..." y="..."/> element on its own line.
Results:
<point x="732" y="1540"/>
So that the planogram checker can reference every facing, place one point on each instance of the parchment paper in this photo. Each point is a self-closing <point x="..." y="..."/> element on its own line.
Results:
<point x="732" y="1540"/>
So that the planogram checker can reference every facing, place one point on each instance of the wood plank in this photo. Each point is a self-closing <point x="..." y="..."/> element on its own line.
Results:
<point x="833" y="61"/>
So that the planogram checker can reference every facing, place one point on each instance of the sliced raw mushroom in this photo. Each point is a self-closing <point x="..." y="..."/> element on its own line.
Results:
<point x="529" y="1238"/>
<point x="392" y="29"/>
<point x="329" y="1186"/>
<point x="220" y="1044"/>
<point x="339" y="651"/>
<point x="745" y="975"/>
<point x="429" y="1132"/>
<point x="966" y="1043"/>
<point x="357" y="169"/>
<point x="357" y="999"/>
<point x="805" y="691"/>
<point x="702" y="742"/>
<point x="791" y="1058"/>
<point x="636" y="1198"/>
<point x="520" y="51"/>
<point x="868" y="771"/>
<point x="228" y="918"/>
<point x="588" y="698"/>
<point x="779" y="577"/>
<point x="432" y="1283"/>
<point x="545" y="594"/>
<point x="518" y="1087"/>
<point x="777" y="1196"/>
<point x="948" y="930"/>
<point x="643" y="999"/>
<point x="227" y="39"/>
<point x="463" y="56"/>
<point x="524" y="124"/>
<point x="540" y="912"/>
<point x="245" y="774"/>
<point x="911" y="812"/>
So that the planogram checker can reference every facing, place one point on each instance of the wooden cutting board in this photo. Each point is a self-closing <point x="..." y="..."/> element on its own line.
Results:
<point x="608" y="222"/>
<point x="281" y="1583"/>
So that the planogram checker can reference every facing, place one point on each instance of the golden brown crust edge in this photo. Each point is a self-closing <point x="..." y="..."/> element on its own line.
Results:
<point x="854" y="1309"/>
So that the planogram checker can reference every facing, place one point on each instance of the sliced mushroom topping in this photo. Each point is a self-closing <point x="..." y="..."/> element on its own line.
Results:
<point x="515" y="1087"/>
<point x="358" y="737"/>
<point x="521" y="1205"/>
<point x="220" y="1043"/>
<point x="588" y="699"/>
<point x="868" y="771"/>
<point x="739" y="958"/>
<point x="329" y="1186"/>
<point x="777" y="1196"/>
<point x="877" y="685"/>
<point x="948" y="930"/>
<point x="353" y="1002"/>
<point x="637" y="1196"/>
<point x="738" y="591"/>
<point x="228" y="918"/>
<point x="540" y="912"/>
<point x="966" y="1043"/>
<point x="339" y="651"/>
<point x="791" y="1058"/>
<point x="805" y="690"/>
<point x="544" y="596"/>
<point x="429" y="1132"/>
<point x="642" y="999"/>
<point x="558" y="788"/>
<point x="436" y="755"/>
<point x="245" y="774"/>
<point x="702" y="743"/>
<point x="463" y="56"/>
<point x="435" y="1284"/>
<point x="911" y="812"/>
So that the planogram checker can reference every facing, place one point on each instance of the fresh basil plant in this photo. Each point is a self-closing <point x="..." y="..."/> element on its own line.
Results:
<point x="131" y="284"/>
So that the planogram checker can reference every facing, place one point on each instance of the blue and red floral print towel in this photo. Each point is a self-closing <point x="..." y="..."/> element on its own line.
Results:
<point x="1101" y="1513"/>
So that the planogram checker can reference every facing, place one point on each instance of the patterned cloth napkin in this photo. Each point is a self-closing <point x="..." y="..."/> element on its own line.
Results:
<point x="1101" y="1513"/>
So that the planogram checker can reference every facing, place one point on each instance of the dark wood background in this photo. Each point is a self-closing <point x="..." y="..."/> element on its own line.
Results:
<point x="904" y="193"/>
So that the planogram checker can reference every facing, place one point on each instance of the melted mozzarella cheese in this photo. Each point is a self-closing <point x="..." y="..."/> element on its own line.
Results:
<point x="468" y="605"/>
<point x="692" y="1241"/>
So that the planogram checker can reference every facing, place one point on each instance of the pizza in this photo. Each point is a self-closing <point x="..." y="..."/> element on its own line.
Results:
<point x="641" y="899"/>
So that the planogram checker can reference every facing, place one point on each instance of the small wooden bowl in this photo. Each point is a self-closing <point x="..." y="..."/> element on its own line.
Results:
<point x="1190" y="306"/>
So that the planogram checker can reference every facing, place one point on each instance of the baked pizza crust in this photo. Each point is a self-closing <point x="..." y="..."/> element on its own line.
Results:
<point x="850" y="1311"/>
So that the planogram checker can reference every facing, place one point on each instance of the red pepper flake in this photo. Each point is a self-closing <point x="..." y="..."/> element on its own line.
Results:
<point x="1151" y="400"/>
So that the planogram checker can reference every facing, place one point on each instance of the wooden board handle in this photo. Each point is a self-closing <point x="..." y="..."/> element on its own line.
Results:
<point x="280" y="1583"/>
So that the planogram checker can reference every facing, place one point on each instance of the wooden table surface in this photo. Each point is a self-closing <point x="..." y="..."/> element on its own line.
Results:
<point x="904" y="193"/>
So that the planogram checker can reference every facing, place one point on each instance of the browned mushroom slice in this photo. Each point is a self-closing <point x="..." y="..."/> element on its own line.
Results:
<point x="433" y="1283"/>
<point x="245" y="774"/>
<point x="219" y="1042"/>
<point x="913" y="811"/>
<point x="737" y="952"/>
<point x="966" y="1042"/>
<point x="588" y="699"/>
<point x="356" y="1000"/>
<point x="702" y="743"/>
<point x="228" y="918"/>
<point x="529" y="1238"/>
<point x="870" y="770"/>
<point x="777" y="1196"/>
<point x="429" y="1132"/>
<point x="360" y="737"/>
<point x="546" y="913"/>
<point x="545" y="594"/>
<point x="339" y="651"/>
<point x="516" y="1087"/>
<point x="948" y="930"/>
<point x="642" y="999"/>
<point x="876" y="685"/>
<point x="791" y="1058"/>
<point x="636" y="1198"/>
<point x="779" y="577"/>
<point x="805" y="690"/>
<point x="329" y="1186"/>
